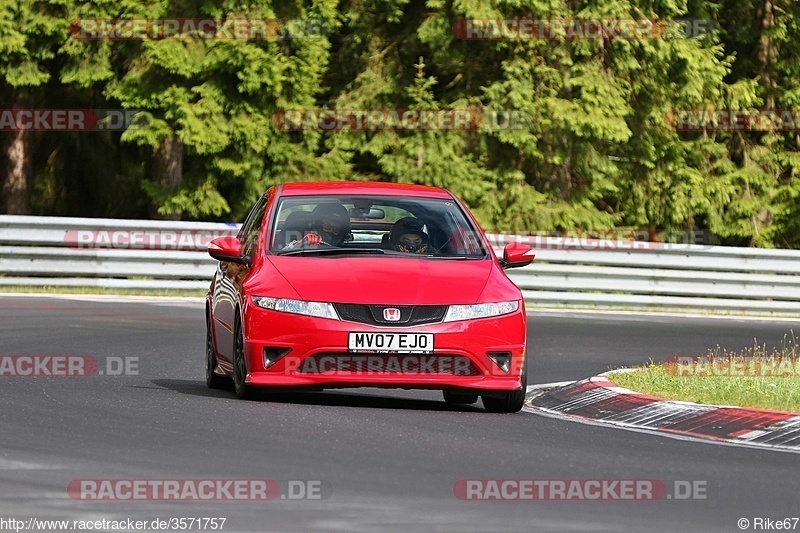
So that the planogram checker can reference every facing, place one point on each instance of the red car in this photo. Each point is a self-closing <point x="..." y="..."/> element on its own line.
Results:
<point x="338" y="285"/>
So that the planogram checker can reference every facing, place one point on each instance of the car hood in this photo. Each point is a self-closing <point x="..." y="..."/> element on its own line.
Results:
<point x="385" y="280"/>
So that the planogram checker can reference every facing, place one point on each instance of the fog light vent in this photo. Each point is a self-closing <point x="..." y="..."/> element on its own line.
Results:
<point x="274" y="354"/>
<point x="501" y="359"/>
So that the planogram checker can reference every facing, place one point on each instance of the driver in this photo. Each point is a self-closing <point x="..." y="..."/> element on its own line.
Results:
<point x="330" y="225"/>
<point x="407" y="236"/>
<point x="331" y="222"/>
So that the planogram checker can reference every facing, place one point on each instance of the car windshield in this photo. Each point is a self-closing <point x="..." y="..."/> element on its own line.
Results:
<point x="334" y="225"/>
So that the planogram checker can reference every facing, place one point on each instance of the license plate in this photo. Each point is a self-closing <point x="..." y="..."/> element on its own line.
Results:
<point x="390" y="342"/>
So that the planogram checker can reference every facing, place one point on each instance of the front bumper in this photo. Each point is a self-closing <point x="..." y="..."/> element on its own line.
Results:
<point x="460" y="359"/>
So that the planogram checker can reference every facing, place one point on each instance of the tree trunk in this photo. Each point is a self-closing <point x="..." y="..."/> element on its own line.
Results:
<point x="167" y="169"/>
<point x="16" y="155"/>
<point x="767" y="53"/>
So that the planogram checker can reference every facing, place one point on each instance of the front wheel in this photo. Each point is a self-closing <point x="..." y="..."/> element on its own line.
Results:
<point x="510" y="402"/>
<point x="213" y="380"/>
<point x="243" y="391"/>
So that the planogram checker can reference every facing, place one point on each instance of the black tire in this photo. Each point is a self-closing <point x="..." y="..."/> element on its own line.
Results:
<point x="509" y="403"/>
<point x="213" y="380"/>
<point x="459" y="398"/>
<point x="242" y="390"/>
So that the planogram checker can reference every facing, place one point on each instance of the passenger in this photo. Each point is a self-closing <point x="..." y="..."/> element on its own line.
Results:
<point x="407" y="236"/>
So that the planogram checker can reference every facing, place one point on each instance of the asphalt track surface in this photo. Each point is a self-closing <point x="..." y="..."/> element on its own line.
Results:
<point x="388" y="460"/>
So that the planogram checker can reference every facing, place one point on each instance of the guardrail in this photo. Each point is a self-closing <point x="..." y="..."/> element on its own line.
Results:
<point x="134" y="254"/>
<point x="109" y="253"/>
<point x="604" y="274"/>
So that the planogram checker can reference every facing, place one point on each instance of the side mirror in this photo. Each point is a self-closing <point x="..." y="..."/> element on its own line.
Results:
<point x="227" y="249"/>
<point x="517" y="255"/>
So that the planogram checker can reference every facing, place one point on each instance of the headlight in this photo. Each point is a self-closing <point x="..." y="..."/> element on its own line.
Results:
<point x="298" y="307"/>
<point x="469" y="312"/>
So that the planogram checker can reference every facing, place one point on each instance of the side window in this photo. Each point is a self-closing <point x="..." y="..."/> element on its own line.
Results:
<point x="246" y="224"/>
<point x="249" y="233"/>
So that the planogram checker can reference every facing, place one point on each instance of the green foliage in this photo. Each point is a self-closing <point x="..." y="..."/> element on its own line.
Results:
<point x="589" y="144"/>
<point x="29" y="36"/>
<point x="196" y="203"/>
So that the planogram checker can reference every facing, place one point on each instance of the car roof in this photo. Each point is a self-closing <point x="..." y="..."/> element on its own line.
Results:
<point x="308" y="188"/>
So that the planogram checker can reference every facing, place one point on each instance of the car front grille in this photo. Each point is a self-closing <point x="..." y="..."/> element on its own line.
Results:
<point x="410" y="315"/>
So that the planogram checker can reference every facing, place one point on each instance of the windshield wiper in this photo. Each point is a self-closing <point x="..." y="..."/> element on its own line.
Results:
<point x="333" y="251"/>
<point x="457" y="257"/>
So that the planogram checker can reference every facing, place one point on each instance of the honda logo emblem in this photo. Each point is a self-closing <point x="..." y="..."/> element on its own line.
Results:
<point x="391" y="314"/>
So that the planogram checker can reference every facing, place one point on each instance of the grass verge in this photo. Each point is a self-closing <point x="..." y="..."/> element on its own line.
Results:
<point x="754" y="377"/>
<point x="101" y="290"/>
<point x="776" y="393"/>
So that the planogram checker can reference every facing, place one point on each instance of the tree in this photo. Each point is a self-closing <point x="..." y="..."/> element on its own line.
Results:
<point x="30" y="33"/>
<point x="209" y="104"/>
